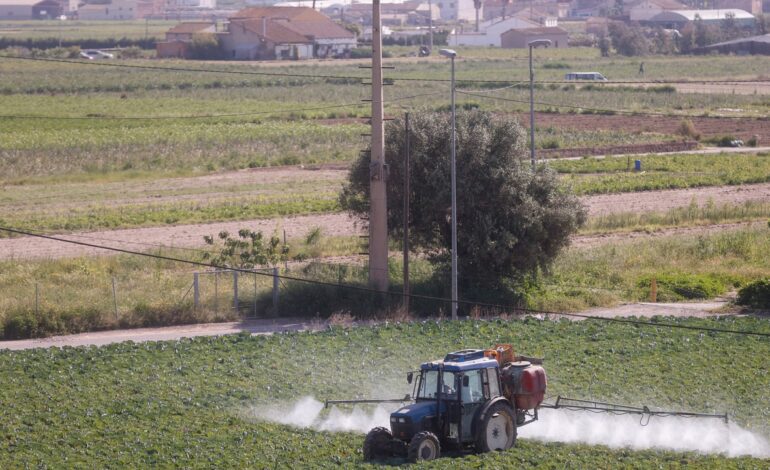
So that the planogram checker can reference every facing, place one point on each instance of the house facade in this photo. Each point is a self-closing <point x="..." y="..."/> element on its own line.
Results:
<point x="266" y="33"/>
<point x="457" y="10"/>
<point x="490" y="32"/>
<point x="115" y="10"/>
<point x="520" y="38"/>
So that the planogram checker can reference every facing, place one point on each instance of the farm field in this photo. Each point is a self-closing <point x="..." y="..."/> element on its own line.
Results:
<point x="99" y="201"/>
<point x="195" y="402"/>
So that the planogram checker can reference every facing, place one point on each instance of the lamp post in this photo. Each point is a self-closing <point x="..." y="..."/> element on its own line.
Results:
<point x="532" y="45"/>
<point x="452" y="54"/>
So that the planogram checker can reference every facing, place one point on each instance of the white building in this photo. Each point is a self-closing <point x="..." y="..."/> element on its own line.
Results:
<point x="458" y="10"/>
<point x="490" y="32"/>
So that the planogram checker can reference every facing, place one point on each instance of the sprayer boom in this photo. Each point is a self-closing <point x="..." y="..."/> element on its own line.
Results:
<point x="390" y="400"/>
<point x="597" y="406"/>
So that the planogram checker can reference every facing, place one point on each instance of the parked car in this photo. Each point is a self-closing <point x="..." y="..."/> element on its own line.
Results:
<point x="92" y="54"/>
<point x="585" y="76"/>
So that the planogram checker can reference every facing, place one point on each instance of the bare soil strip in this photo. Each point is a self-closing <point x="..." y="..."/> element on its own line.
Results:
<point x="191" y="236"/>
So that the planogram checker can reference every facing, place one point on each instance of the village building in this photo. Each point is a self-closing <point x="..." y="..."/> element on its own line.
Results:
<point x="677" y="19"/>
<point x="755" y="45"/>
<point x="115" y="10"/>
<point x="457" y="10"/>
<point x="646" y="9"/>
<point x="520" y="38"/>
<point x="265" y="33"/>
<point x="29" y="9"/>
<point x="179" y="38"/>
<point x="490" y="32"/>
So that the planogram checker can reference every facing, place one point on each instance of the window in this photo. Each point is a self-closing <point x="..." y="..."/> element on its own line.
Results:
<point x="474" y="391"/>
<point x="494" y="386"/>
<point x="428" y="384"/>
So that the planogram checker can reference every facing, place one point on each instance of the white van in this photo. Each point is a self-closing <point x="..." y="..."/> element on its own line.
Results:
<point x="596" y="76"/>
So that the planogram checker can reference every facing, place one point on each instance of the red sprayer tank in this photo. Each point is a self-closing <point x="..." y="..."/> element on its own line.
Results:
<point x="524" y="384"/>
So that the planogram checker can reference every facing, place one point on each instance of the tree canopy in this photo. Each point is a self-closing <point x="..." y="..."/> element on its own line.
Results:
<point x="511" y="221"/>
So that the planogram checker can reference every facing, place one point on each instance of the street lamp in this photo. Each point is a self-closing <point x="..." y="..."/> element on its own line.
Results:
<point x="532" y="45"/>
<point x="452" y="54"/>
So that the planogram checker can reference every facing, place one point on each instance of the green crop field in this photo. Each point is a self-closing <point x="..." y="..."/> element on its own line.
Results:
<point x="188" y="403"/>
<point x="615" y="175"/>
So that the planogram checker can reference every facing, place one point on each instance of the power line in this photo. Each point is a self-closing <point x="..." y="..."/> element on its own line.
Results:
<point x="398" y="294"/>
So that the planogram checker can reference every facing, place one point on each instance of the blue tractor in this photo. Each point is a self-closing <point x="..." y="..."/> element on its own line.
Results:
<point x="468" y="401"/>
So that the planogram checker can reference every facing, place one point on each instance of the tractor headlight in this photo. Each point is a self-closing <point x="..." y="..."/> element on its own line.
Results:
<point x="393" y="419"/>
<point x="401" y="420"/>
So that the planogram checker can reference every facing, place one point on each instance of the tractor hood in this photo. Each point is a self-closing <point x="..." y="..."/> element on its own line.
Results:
<point x="417" y="411"/>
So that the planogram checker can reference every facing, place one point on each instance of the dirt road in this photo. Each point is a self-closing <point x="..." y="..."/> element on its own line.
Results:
<point x="191" y="236"/>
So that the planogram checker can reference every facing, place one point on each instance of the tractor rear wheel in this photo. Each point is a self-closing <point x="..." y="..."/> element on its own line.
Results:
<point x="497" y="431"/>
<point x="377" y="444"/>
<point x="423" y="446"/>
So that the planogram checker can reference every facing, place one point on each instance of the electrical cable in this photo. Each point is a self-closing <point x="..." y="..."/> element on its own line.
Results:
<point x="391" y="293"/>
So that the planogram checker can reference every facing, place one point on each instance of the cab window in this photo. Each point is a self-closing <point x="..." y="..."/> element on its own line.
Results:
<point x="473" y="388"/>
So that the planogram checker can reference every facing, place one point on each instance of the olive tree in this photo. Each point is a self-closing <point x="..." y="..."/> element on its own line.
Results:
<point x="511" y="220"/>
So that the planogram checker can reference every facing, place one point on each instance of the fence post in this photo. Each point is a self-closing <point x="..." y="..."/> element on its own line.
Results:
<point x="114" y="298"/>
<point x="235" y="290"/>
<point x="255" y="294"/>
<point x="216" y="291"/>
<point x="653" y="290"/>
<point x="275" y="291"/>
<point x="37" y="299"/>
<point x="196" y="292"/>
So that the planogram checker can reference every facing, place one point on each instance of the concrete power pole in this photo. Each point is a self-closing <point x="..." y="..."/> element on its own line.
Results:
<point x="378" y="207"/>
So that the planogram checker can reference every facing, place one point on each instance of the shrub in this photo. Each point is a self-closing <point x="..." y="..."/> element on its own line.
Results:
<point x="756" y="294"/>
<point x="687" y="129"/>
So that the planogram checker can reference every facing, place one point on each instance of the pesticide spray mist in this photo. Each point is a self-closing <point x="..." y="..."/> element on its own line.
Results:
<point x="678" y="434"/>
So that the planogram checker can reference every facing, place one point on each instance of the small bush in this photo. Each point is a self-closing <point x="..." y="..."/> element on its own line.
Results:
<point x="755" y="294"/>
<point x="557" y="65"/>
<point x="687" y="129"/>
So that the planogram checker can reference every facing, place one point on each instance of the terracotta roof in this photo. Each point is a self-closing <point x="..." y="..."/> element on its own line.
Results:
<point x="190" y="27"/>
<point x="275" y="31"/>
<point x="289" y="24"/>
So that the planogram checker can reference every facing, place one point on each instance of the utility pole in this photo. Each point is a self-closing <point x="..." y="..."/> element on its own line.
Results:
<point x="378" y="206"/>
<point x="430" y="26"/>
<point x="407" y="194"/>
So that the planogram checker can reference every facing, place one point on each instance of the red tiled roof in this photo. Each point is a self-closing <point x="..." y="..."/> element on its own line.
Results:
<point x="290" y="24"/>
<point x="275" y="31"/>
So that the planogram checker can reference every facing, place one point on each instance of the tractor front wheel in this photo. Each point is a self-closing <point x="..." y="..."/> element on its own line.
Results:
<point x="423" y="446"/>
<point x="497" y="431"/>
<point x="377" y="444"/>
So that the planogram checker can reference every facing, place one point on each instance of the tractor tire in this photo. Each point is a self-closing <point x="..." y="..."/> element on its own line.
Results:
<point x="423" y="446"/>
<point x="497" y="431"/>
<point x="377" y="444"/>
